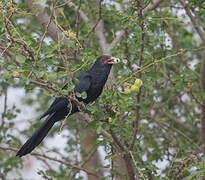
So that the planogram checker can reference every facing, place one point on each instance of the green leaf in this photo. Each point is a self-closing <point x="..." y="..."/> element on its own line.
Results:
<point x="84" y="95"/>
<point x="78" y="94"/>
<point x="62" y="13"/>
<point x="21" y="59"/>
<point x="37" y="11"/>
<point x="76" y="80"/>
<point x="91" y="125"/>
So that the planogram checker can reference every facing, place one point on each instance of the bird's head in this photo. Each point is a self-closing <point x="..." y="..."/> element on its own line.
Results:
<point x="106" y="60"/>
<point x="104" y="64"/>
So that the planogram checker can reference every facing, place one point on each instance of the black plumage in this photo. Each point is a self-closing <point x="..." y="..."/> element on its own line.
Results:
<point x="92" y="82"/>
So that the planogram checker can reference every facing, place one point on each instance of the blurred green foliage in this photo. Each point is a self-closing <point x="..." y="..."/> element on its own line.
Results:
<point x="159" y="47"/>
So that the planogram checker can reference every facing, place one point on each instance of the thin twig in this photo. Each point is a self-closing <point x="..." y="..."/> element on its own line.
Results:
<point x="154" y="6"/>
<point x="116" y="139"/>
<point x="99" y="18"/>
<point x="193" y="20"/>
<point x="182" y="134"/>
<point x="193" y="96"/>
<point x="98" y="27"/>
<point x="7" y="21"/>
<point x="77" y="18"/>
<point x="53" y="30"/>
<point x="45" y="32"/>
<point x="53" y="159"/>
<point x="5" y="50"/>
<point x="136" y="120"/>
<point x="146" y="4"/>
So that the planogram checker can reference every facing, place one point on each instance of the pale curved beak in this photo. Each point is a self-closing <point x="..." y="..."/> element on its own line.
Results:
<point x="114" y="60"/>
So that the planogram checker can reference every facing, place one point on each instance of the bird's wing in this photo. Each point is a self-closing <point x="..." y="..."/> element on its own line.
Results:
<point x="57" y="104"/>
<point x="84" y="83"/>
<point x="61" y="102"/>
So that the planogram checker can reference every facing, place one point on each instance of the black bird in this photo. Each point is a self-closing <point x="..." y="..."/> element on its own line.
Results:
<point x="91" y="82"/>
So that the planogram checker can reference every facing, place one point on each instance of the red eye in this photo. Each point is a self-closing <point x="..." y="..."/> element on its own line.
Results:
<point x="102" y="59"/>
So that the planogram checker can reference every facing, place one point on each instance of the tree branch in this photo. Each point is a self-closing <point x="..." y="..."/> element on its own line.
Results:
<point x="116" y="40"/>
<point x="54" y="32"/>
<point x="194" y="21"/>
<point x="137" y="118"/>
<point x="81" y="13"/>
<point x="53" y="159"/>
<point x="99" y="28"/>
<point x="154" y="6"/>
<point x="202" y="117"/>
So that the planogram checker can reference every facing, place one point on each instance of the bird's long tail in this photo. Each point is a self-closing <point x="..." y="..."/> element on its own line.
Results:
<point x="37" y="137"/>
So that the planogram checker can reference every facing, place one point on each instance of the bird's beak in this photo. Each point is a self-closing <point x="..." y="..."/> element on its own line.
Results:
<point x="113" y="60"/>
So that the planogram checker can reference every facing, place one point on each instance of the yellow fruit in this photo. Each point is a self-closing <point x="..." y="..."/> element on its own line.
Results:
<point x="138" y="83"/>
<point x="15" y="74"/>
<point x="110" y="120"/>
<point x="127" y="91"/>
<point x="134" y="88"/>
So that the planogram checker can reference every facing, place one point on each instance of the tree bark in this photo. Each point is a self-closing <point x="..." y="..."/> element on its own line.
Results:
<point x="202" y="117"/>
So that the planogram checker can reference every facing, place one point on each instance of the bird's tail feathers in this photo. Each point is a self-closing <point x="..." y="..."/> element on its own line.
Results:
<point x="37" y="137"/>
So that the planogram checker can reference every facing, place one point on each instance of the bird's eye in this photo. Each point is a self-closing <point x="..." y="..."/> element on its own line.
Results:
<point x="102" y="59"/>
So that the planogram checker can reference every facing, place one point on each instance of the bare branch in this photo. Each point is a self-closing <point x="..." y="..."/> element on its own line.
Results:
<point x="116" y="139"/>
<point x="101" y="38"/>
<point x="202" y="117"/>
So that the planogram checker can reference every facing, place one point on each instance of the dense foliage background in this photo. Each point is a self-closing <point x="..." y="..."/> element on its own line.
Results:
<point x="156" y="133"/>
